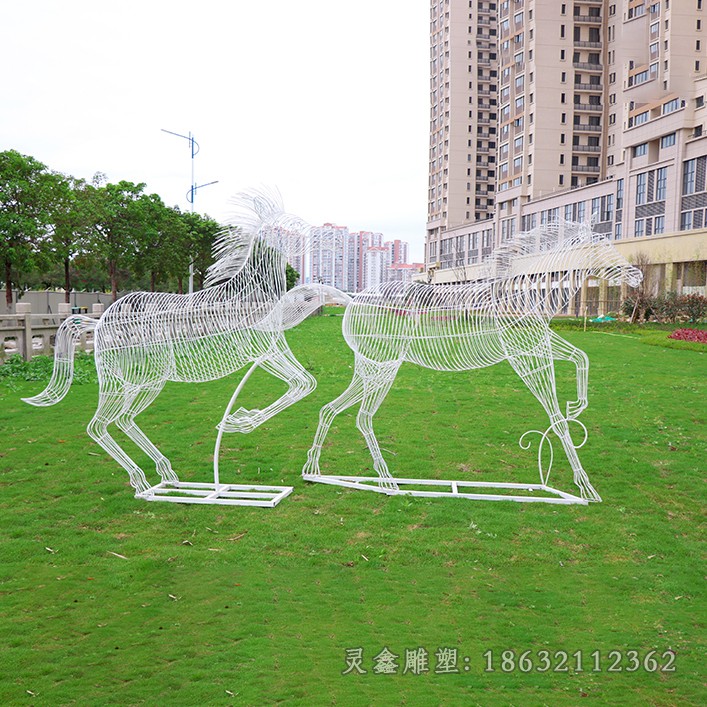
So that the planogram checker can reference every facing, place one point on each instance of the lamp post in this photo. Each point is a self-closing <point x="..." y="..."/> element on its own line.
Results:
<point x="191" y="194"/>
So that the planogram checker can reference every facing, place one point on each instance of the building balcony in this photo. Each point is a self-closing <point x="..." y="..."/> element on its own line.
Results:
<point x="589" y="19"/>
<point x="585" y="168"/>
<point x="586" y="148"/>
<point x="584" y="127"/>
<point x="587" y="66"/>
<point x="583" y="43"/>
<point x="588" y="87"/>
<point x="588" y="107"/>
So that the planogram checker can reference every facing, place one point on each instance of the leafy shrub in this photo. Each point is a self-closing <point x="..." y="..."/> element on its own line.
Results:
<point x="697" y="335"/>
<point x="40" y="369"/>
<point x="694" y="307"/>
<point x="667" y="307"/>
<point x="670" y="307"/>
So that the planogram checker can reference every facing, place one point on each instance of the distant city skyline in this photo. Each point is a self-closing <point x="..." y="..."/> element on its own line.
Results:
<point x="355" y="260"/>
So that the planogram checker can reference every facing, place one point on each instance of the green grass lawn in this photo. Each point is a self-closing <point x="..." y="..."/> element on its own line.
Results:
<point x="111" y="600"/>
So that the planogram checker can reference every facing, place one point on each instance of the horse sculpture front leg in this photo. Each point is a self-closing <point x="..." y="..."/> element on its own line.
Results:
<point x="282" y="364"/>
<point x="536" y="369"/>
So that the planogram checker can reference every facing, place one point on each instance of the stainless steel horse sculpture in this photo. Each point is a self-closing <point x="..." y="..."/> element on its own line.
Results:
<point x="146" y="339"/>
<point x="504" y="316"/>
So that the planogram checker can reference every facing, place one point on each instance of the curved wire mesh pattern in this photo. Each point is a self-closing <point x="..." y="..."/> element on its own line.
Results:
<point x="146" y="339"/>
<point x="503" y="317"/>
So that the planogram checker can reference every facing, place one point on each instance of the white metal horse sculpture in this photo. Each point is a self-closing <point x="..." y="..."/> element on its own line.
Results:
<point x="146" y="339"/>
<point x="504" y="317"/>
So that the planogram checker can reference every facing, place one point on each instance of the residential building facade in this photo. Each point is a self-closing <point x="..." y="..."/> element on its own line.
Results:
<point x="595" y="108"/>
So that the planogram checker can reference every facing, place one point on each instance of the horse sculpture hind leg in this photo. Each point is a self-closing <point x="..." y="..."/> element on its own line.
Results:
<point x="133" y="406"/>
<point x="535" y="367"/>
<point x="352" y="395"/>
<point x="562" y="350"/>
<point x="377" y="380"/>
<point x="111" y="404"/>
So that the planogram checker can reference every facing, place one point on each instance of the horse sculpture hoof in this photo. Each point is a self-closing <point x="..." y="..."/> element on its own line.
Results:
<point x="242" y="420"/>
<point x="574" y="409"/>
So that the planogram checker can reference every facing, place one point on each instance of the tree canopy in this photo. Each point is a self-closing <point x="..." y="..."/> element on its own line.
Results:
<point x="57" y="231"/>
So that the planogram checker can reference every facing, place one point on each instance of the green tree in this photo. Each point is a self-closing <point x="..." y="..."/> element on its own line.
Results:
<point x="73" y="214"/>
<point x="291" y="276"/>
<point x="202" y="232"/>
<point x="27" y="192"/>
<point x="116" y="230"/>
<point x="163" y="242"/>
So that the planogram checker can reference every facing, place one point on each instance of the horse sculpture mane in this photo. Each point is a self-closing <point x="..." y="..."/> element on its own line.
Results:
<point x="547" y="240"/>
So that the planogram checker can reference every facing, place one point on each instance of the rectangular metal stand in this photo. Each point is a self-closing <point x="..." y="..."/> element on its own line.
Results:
<point x="371" y="483"/>
<point x="219" y="494"/>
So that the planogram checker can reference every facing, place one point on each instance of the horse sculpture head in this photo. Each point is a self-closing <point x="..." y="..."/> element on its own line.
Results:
<point x="607" y="263"/>
<point x="258" y="228"/>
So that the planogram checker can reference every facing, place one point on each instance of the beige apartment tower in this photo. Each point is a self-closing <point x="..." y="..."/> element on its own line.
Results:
<point x="542" y="109"/>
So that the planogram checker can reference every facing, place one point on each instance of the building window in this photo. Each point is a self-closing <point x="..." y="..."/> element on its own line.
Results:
<point x="667" y="141"/>
<point x="671" y="106"/>
<point x="641" y="181"/>
<point x="640" y="150"/>
<point x="688" y="177"/>
<point x="661" y="184"/>
<point x="686" y="221"/>
<point x="659" y="225"/>
<point x="639" y="227"/>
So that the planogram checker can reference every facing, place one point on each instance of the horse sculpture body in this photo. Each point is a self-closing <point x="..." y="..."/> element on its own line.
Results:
<point x="503" y="317"/>
<point x="146" y="339"/>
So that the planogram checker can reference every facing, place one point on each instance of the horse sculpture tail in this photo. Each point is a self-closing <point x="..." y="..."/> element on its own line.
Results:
<point x="299" y="302"/>
<point x="62" y="375"/>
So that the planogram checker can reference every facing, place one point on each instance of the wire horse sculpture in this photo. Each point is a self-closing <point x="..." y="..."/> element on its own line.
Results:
<point x="146" y="339"/>
<point x="503" y="317"/>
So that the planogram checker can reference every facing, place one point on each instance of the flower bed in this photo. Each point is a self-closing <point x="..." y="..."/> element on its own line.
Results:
<point x="697" y="335"/>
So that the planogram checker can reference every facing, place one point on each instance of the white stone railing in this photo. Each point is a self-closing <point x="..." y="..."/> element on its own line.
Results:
<point x="30" y="334"/>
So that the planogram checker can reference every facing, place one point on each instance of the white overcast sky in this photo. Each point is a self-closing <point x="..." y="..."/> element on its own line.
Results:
<point x="324" y="99"/>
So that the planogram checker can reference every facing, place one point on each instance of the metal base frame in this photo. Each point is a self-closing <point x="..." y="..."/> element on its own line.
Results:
<point x="218" y="494"/>
<point x="373" y="483"/>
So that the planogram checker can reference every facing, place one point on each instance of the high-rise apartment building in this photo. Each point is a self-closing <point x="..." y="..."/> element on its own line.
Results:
<point x="397" y="251"/>
<point x="543" y="109"/>
<point x="328" y="261"/>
